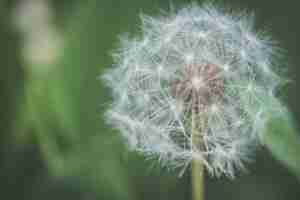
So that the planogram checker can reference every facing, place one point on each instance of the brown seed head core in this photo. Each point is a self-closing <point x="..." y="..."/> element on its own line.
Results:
<point x="200" y="87"/>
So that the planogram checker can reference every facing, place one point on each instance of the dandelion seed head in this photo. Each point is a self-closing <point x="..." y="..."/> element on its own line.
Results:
<point x="199" y="60"/>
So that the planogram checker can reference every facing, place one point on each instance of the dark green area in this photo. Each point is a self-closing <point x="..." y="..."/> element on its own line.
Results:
<point x="54" y="143"/>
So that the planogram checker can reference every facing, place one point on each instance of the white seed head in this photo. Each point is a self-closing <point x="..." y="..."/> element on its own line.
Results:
<point x="198" y="61"/>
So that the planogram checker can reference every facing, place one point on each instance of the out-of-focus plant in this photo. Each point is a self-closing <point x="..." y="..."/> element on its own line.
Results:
<point x="62" y="99"/>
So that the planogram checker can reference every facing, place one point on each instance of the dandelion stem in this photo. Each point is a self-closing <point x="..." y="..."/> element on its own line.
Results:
<point x="197" y="180"/>
<point x="197" y="166"/>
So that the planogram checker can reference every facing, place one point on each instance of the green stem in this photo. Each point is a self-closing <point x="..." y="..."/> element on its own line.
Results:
<point x="197" y="166"/>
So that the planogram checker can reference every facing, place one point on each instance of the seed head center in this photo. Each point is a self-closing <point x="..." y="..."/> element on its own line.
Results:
<point x="197" y="82"/>
<point x="199" y="86"/>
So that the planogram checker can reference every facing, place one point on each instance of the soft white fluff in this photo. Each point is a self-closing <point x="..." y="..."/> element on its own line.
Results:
<point x="155" y="122"/>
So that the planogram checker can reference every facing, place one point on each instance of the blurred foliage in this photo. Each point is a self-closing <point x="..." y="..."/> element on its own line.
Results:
<point x="63" y="106"/>
<point x="283" y="140"/>
<point x="11" y="73"/>
<point x="54" y="141"/>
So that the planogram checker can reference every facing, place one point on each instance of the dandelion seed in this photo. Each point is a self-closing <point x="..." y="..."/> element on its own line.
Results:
<point x="198" y="63"/>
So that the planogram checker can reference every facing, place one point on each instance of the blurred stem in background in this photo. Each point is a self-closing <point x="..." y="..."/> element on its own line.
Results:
<point x="61" y="97"/>
<point x="40" y="51"/>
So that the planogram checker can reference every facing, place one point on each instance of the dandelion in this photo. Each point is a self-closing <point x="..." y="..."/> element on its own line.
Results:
<point x="196" y="85"/>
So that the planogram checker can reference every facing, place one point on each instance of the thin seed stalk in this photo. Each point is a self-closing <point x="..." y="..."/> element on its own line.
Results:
<point x="197" y="166"/>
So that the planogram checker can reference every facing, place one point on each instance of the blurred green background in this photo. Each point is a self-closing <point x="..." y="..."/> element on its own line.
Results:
<point x="54" y="142"/>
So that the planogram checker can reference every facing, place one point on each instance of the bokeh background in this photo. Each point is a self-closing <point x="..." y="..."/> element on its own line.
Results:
<point x="54" y="143"/>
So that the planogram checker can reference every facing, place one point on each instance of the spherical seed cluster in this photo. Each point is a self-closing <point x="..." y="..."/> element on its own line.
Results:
<point x="197" y="65"/>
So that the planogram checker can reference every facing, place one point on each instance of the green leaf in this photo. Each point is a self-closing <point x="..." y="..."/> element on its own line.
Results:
<point x="282" y="139"/>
